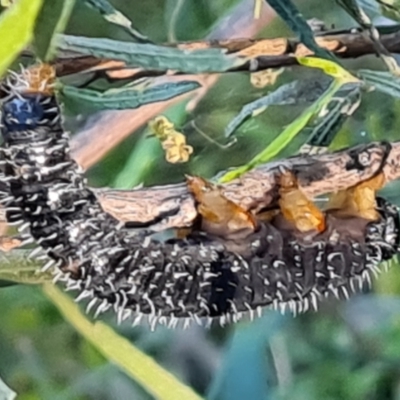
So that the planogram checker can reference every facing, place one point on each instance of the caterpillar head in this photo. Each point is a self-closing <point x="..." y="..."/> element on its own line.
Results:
<point x="28" y="101"/>
<point x="29" y="117"/>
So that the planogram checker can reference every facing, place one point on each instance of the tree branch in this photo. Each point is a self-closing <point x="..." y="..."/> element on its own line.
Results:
<point x="173" y="206"/>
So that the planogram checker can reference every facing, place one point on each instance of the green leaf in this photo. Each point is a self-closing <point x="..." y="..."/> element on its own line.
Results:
<point x="5" y="392"/>
<point x="383" y="81"/>
<point x="150" y="56"/>
<point x="16" y="30"/>
<point x="297" y="92"/>
<point x="245" y="366"/>
<point x="330" y="68"/>
<point x="287" y="135"/>
<point x="370" y="6"/>
<point x="158" y="382"/>
<point x="324" y="117"/>
<point x="324" y="126"/>
<point x="354" y="9"/>
<point x="391" y="8"/>
<point x="52" y="20"/>
<point x="296" y="22"/>
<point x="388" y="8"/>
<point x="111" y="14"/>
<point x="16" y="267"/>
<point x="327" y="123"/>
<point x="128" y="97"/>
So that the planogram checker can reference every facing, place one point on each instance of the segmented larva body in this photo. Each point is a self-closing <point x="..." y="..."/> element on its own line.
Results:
<point x="184" y="278"/>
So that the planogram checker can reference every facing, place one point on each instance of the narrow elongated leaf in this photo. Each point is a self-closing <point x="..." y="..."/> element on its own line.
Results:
<point x="52" y="20"/>
<point x="370" y="6"/>
<point x="111" y="14"/>
<point x="18" y="268"/>
<point x="354" y="9"/>
<point x="330" y="68"/>
<point x="296" y="22"/>
<point x="324" y="126"/>
<point x="16" y="30"/>
<point x="128" y="97"/>
<point x="297" y="92"/>
<point x="257" y="8"/>
<point x="160" y="383"/>
<point x="383" y="81"/>
<point x="390" y="8"/>
<point x="387" y="8"/>
<point x="287" y="135"/>
<point x="327" y="123"/>
<point x="152" y="56"/>
<point x="327" y="106"/>
<point x="357" y="12"/>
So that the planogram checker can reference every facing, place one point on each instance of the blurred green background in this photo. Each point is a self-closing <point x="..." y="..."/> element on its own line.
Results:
<point x="346" y="350"/>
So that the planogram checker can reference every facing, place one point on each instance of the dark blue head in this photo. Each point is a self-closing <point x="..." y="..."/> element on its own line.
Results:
<point x="22" y="113"/>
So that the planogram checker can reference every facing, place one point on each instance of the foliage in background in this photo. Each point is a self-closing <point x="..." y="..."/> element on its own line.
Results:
<point x="346" y="350"/>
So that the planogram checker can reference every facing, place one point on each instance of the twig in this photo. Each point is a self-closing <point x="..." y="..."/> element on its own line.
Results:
<point x="172" y="206"/>
<point x="260" y="54"/>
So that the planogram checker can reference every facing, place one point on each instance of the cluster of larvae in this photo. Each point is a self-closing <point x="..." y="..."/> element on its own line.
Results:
<point x="231" y="263"/>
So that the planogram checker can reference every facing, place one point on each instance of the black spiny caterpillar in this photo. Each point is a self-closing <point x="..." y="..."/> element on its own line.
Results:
<point x="200" y="276"/>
